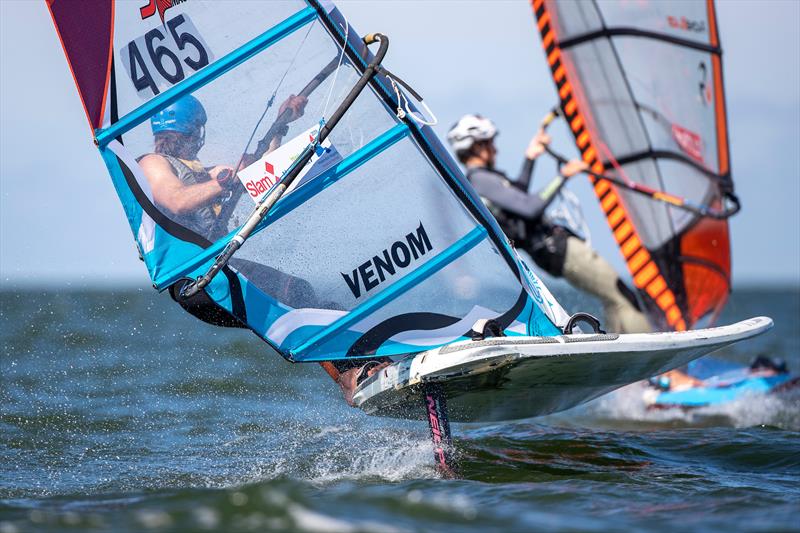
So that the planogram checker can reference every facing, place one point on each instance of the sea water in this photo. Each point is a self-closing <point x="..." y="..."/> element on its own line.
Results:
<point x="119" y="412"/>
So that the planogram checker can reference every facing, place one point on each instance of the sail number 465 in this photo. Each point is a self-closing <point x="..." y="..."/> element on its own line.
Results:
<point x="160" y="59"/>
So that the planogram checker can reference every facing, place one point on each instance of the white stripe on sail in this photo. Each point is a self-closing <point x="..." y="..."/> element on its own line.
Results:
<point x="297" y="318"/>
<point x="452" y="332"/>
<point x="146" y="234"/>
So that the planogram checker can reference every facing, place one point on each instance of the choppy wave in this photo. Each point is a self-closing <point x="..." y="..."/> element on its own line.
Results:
<point x="120" y="413"/>
<point x="514" y="477"/>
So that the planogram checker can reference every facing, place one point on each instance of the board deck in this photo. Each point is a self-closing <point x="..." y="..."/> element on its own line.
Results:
<point x="508" y="378"/>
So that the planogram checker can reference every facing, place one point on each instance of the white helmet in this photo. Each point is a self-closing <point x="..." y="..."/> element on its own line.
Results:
<point x="469" y="130"/>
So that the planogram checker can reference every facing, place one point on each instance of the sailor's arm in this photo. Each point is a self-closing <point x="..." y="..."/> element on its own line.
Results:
<point x="548" y="193"/>
<point x="524" y="178"/>
<point x="290" y="110"/>
<point x="535" y="148"/>
<point x="171" y="193"/>
<point x="501" y="193"/>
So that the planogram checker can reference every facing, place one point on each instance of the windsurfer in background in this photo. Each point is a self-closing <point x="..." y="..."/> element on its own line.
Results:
<point x="521" y="215"/>
<point x="681" y="379"/>
<point x="191" y="193"/>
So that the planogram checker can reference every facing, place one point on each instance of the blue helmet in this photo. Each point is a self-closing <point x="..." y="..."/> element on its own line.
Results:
<point x="185" y="116"/>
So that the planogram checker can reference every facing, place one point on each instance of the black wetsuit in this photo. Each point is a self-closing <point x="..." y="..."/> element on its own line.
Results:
<point x="521" y="215"/>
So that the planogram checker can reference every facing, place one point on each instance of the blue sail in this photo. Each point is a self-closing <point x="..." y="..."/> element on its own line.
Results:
<point x="382" y="249"/>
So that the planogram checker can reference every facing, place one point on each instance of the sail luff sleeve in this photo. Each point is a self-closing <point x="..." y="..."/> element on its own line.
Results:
<point x="636" y="255"/>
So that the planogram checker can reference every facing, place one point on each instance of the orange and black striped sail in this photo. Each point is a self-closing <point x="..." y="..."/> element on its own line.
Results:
<point x="640" y="85"/>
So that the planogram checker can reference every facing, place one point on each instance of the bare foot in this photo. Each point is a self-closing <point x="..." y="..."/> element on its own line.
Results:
<point x="349" y="380"/>
<point x="377" y="368"/>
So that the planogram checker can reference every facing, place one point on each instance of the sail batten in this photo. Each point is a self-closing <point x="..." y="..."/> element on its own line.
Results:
<point x="636" y="32"/>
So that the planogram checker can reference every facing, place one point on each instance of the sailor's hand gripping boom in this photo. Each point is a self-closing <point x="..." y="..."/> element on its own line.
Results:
<point x="263" y="208"/>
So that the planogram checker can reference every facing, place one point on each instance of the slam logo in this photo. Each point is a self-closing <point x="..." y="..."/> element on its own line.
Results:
<point x="682" y="23"/>
<point x="689" y="141"/>
<point x="159" y="6"/>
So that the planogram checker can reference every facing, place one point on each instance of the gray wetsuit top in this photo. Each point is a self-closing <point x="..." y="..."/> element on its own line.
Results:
<point x="520" y="213"/>
<point x="501" y="193"/>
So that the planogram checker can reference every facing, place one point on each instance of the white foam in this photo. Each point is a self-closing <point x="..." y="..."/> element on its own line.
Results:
<point x="780" y="410"/>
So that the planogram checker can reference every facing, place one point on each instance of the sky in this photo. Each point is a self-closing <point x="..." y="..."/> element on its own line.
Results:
<point x="61" y="222"/>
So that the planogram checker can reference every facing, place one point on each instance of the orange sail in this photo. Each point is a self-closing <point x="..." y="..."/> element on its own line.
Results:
<point x="640" y="84"/>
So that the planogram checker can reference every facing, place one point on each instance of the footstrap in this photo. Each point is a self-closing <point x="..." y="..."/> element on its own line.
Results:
<point x="486" y="328"/>
<point x="586" y="318"/>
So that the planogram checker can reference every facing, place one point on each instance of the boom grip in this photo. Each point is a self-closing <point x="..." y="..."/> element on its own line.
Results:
<point x="549" y="118"/>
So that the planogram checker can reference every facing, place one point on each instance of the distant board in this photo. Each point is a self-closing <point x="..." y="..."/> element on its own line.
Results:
<point x="733" y="382"/>
<point x="507" y="378"/>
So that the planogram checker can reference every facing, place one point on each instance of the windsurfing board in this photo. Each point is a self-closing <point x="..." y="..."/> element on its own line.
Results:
<point x="508" y="378"/>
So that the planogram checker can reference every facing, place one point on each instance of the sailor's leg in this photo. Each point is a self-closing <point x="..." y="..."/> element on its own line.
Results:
<point x="586" y="270"/>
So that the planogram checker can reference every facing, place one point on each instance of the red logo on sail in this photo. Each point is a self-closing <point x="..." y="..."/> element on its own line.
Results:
<point x="159" y="6"/>
<point x="682" y="23"/>
<point x="689" y="141"/>
<point x="256" y="187"/>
